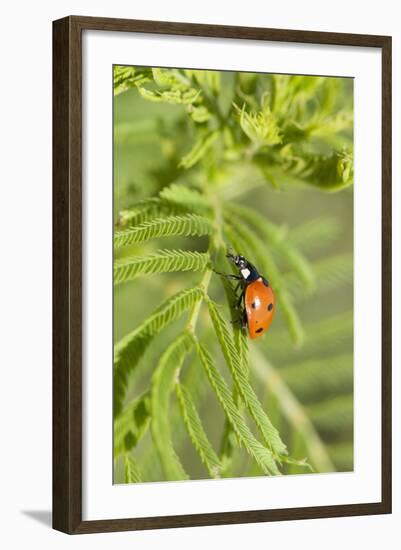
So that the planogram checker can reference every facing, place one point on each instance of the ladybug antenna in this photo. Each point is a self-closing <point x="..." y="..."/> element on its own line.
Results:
<point x="230" y="255"/>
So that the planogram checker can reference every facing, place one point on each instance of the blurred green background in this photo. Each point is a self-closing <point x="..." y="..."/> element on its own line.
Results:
<point x="293" y="165"/>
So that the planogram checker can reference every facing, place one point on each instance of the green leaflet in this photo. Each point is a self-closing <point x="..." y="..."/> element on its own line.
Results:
<point x="261" y="126"/>
<point x="171" y="78"/>
<point x="130" y="349"/>
<point x="144" y="211"/>
<point x="131" y="470"/>
<point x="274" y="236"/>
<point x="330" y="172"/>
<point x="196" y="431"/>
<point x="172" y="200"/>
<point x="242" y="239"/>
<point x="165" y="261"/>
<point x="297" y="168"/>
<point x="188" y="225"/>
<point x="163" y="381"/>
<point x="174" y="88"/>
<point x="261" y="454"/>
<point x="239" y="374"/>
<point x="125" y="78"/>
<point x="209" y="80"/>
<point x="228" y="446"/>
<point x="194" y="379"/>
<point x="241" y="344"/>
<point x="131" y="425"/>
<point x="199" y="150"/>
<point x="185" y="197"/>
<point x="199" y="114"/>
<point x="176" y="97"/>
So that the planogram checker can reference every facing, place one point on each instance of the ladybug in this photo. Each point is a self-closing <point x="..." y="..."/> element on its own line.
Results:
<point x="256" y="301"/>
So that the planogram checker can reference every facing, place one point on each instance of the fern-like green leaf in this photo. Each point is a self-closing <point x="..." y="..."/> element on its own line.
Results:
<point x="260" y="127"/>
<point x="196" y="432"/>
<point x="132" y="473"/>
<point x="185" y="198"/>
<point x="131" y="425"/>
<point x="188" y="225"/>
<point x="261" y="454"/>
<point x="176" y="97"/>
<point x="146" y="210"/>
<point x="165" y="261"/>
<point x="239" y="374"/>
<point x="162" y="384"/>
<point x="125" y="78"/>
<point x="130" y="349"/>
<point x="199" y="150"/>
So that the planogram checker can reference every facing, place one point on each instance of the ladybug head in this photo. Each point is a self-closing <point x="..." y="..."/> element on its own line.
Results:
<point x="239" y="261"/>
<point x="246" y="269"/>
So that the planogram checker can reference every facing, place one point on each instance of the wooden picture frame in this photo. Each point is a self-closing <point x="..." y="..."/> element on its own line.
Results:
<point x="67" y="273"/>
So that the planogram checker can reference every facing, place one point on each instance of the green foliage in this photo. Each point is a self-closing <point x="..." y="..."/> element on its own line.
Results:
<point x="197" y="432"/>
<point x="261" y="126"/>
<point x="131" y="470"/>
<point x="199" y="150"/>
<point x="130" y="426"/>
<point x="225" y="156"/>
<point x="180" y="196"/>
<point x="189" y="225"/>
<point x="232" y="357"/>
<point x="165" y="261"/>
<point x="163" y="381"/>
<point x="260" y="453"/>
<point x="130" y="349"/>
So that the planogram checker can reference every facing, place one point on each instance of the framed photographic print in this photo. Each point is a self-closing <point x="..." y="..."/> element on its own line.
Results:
<point x="222" y="274"/>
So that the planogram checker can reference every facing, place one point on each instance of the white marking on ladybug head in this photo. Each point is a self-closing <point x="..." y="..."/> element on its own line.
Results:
<point x="245" y="273"/>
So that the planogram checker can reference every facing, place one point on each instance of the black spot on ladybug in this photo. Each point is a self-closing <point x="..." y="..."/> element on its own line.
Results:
<point x="259" y="330"/>
<point x="270" y="307"/>
<point x="265" y="282"/>
<point x="253" y="305"/>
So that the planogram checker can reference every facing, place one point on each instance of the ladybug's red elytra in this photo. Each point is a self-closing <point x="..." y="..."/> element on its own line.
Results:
<point x="256" y="301"/>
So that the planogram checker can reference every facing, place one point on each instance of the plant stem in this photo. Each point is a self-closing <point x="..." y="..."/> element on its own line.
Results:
<point x="216" y="242"/>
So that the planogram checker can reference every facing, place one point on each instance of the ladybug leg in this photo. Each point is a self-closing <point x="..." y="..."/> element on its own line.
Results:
<point x="237" y="287"/>
<point x="229" y="276"/>
<point x="238" y="305"/>
<point x="244" y="320"/>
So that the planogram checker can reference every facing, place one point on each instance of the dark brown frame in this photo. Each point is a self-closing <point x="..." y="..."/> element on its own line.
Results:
<point x="67" y="275"/>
